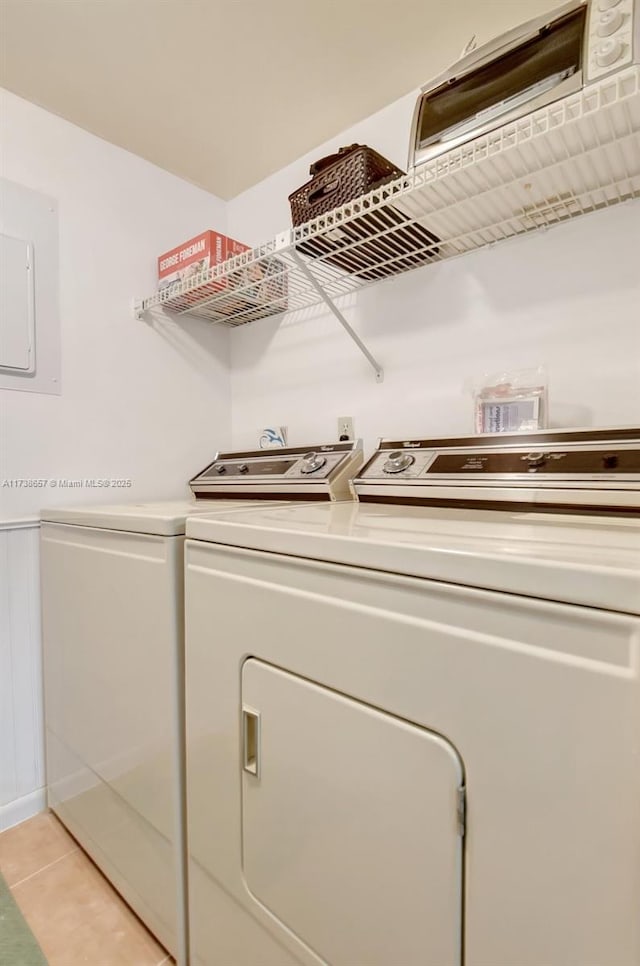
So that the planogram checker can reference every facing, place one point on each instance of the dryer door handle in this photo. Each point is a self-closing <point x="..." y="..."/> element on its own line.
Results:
<point x="251" y="741"/>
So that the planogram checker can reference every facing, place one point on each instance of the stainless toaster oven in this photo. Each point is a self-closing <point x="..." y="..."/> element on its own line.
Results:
<point x="539" y="62"/>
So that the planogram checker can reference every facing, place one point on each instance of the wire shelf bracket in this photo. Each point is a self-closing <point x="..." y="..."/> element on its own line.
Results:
<point x="375" y="365"/>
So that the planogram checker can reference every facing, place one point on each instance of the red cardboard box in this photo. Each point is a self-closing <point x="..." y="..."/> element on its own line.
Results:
<point x="195" y="256"/>
<point x="252" y="291"/>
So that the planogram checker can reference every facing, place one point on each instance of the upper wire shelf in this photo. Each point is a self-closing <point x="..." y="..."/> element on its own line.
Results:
<point x="578" y="155"/>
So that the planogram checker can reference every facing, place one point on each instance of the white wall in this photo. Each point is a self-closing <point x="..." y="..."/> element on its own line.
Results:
<point x="21" y="713"/>
<point x="568" y="298"/>
<point x="136" y="403"/>
<point x="150" y="405"/>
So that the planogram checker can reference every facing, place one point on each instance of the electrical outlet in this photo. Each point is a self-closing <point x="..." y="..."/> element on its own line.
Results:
<point x="345" y="428"/>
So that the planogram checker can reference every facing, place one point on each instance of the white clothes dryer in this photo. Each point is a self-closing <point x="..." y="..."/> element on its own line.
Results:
<point x="412" y="723"/>
<point x="113" y="631"/>
<point x="112" y="612"/>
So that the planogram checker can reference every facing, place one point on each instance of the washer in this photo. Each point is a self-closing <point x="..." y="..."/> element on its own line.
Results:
<point x="112" y="593"/>
<point x="412" y="723"/>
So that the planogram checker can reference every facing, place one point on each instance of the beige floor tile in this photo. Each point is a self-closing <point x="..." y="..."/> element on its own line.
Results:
<point x="29" y="847"/>
<point x="78" y="918"/>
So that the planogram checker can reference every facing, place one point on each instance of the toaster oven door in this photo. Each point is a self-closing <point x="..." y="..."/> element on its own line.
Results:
<point x="539" y="70"/>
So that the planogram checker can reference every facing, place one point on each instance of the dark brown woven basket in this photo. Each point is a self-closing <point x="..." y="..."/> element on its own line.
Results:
<point x="338" y="179"/>
<point x="341" y="178"/>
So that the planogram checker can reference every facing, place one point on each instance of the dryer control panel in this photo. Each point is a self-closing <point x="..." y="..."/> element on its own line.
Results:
<point x="588" y="469"/>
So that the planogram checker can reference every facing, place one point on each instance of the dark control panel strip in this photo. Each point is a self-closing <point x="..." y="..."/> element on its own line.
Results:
<point x="521" y="506"/>
<point x="254" y="468"/>
<point x="562" y="463"/>
<point x="287" y="451"/>
<point x="305" y="497"/>
<point x="533" y="440"/>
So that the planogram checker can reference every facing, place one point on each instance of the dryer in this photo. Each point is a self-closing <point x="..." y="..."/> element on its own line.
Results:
<point x="113" y="632"/>
<point x="412" y="721"/>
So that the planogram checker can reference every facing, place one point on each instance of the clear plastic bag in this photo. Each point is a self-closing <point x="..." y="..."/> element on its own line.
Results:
<point x="511" y="402"/>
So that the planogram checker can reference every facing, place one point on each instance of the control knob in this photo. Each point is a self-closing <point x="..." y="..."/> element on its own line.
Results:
<point x="312" y="462"/>
<point x="243" y="468"/>
<point x="221" y="469"/>
<point x="608" y="52"/>
<point x="398" y="461"/>
<point x="535" y="459"/>
<point x="609" y="22"/>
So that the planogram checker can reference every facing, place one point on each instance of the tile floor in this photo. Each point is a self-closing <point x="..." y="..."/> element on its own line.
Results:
<point x="74" y="913"/>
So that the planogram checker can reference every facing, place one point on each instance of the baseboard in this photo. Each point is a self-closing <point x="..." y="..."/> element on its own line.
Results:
<point x="23" y="808"/>
<point x="19" y="523"/>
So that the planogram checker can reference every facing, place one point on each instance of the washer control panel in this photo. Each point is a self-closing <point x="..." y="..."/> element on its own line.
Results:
<point x="281" y="472"/>
<point x="402" y="463"/>
<point x="595" y="464"/>
<point x="314" y="462"/>
<point x="585" y="461"/>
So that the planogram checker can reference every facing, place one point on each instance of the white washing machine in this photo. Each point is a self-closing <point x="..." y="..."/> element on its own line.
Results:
<point x="413" y="722"/>
<point x="113" y="630"/>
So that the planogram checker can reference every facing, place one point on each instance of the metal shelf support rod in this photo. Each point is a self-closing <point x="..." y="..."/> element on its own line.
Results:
<point x="379" y="371"/>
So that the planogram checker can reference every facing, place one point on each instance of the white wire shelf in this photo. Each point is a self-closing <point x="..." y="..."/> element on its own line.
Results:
<point x="578" y="155"/>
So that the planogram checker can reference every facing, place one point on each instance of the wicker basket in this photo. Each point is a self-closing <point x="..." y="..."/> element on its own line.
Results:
<point x="353" y="247"/>
<point x="338" y="179"/>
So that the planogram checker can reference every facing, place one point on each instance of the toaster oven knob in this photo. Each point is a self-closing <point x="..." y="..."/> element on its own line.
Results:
<point x="398" y="461"/>
<point x="312" y="462"/>
<point x="608" y="52"/>
<point x="609" y="22"/>
<point x="607" y="4"/>
<point x="243" y="468"/>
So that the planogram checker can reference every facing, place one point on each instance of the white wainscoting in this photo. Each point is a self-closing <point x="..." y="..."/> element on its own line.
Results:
<point x="22" y="775"/>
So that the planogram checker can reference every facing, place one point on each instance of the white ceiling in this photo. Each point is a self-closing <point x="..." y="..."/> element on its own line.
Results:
<point x="225" y="92"/>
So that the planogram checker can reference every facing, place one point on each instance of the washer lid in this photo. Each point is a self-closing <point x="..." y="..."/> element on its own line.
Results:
<point x="165" y="518"/>
<point x="594" y="561"/>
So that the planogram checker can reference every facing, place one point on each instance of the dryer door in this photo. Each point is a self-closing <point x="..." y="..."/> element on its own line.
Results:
<point x="352" y="836"/>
